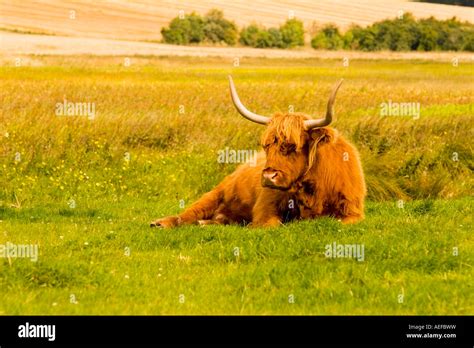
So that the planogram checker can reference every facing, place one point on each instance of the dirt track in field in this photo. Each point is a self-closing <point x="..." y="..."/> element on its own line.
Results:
<point x="13" y="46"/>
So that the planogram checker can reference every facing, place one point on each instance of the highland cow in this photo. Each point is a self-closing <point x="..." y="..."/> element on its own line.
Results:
<point x="307" y="170"/>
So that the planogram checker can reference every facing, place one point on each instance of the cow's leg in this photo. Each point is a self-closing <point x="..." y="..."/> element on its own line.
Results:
<point x="203" y="209"/>
<point x="265" y="212"/>
<point x="351" y="211"/>
<point x="207" y="222"/>
<point x="273" y="221"/>
<point x="218" y="219"/>
<point x="166" y="222"/>
<point x="351" y="219"/>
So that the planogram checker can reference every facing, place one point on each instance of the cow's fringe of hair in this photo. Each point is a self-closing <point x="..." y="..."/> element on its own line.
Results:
<point x="289" y="129"/>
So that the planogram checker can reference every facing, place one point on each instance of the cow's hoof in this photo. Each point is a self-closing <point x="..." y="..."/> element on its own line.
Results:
<point x="167" y="222"/>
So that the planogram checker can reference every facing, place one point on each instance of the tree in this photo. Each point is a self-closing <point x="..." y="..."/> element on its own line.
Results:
<point x="328" y="38"/>
<point x="218" y="29"/>
<point x="249" y="35"/>
<point x="183" y="31"/>
<point x="292" y="33"/>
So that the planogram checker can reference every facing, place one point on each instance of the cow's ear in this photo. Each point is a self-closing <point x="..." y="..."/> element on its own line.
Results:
<point x="322" y="135"/>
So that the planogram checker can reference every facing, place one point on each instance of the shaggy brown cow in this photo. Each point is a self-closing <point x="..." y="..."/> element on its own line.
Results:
<point x="304" y="161"/>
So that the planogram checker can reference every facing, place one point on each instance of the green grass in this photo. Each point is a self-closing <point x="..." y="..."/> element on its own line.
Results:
<point x="173" y="157"/>
<point x="407" y="251"/>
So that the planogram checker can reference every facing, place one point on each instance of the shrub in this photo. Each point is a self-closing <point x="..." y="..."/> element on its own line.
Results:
<point x="352" y="37"/>
<point x="429" y="35"/>
<point x="395" y="35"/>
<point x="249" y="35"/>
<point x="217" y="29"/>
<point x="469" y="44"/>
<point x="399" y="34"/>
<point x="367" y="39"/>
<point x="276" y="38"/>
<point x="404" y="34"/>
<point x="263" y="40"/>
<point x="455" y="34"/>
<point x="259" y="37"/>
<point x="328" y="38"/>
<point x="195" y="29"/>
<point x="183" y="31"/>
<point x="292" y="33"/>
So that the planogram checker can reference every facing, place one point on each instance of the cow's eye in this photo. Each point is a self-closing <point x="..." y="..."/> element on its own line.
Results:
<point x="287" y="148"/>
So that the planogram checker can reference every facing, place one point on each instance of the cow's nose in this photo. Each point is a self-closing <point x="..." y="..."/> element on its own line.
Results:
<point x="270" y="176"/>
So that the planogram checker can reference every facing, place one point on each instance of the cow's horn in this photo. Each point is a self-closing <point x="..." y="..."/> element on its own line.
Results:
<point x="322" y="122"/>
<point x="242" y="109"/>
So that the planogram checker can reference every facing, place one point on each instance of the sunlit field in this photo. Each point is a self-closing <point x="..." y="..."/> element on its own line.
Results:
<point x="85" y="188"/>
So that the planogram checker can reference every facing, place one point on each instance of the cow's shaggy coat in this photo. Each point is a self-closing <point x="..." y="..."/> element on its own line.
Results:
<point x="302" y="173"/>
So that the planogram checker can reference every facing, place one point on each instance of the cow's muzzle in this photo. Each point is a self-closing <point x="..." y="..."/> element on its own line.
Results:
<point x="273" y="179"/>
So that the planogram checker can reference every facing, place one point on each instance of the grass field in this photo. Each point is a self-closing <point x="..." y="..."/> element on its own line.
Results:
<point x="85" y="190"/>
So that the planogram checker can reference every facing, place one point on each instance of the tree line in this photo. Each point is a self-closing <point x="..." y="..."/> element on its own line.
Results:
<point x="404" y="33"/>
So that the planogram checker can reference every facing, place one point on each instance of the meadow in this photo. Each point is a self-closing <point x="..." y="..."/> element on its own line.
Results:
<point x="86" y="189"/>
